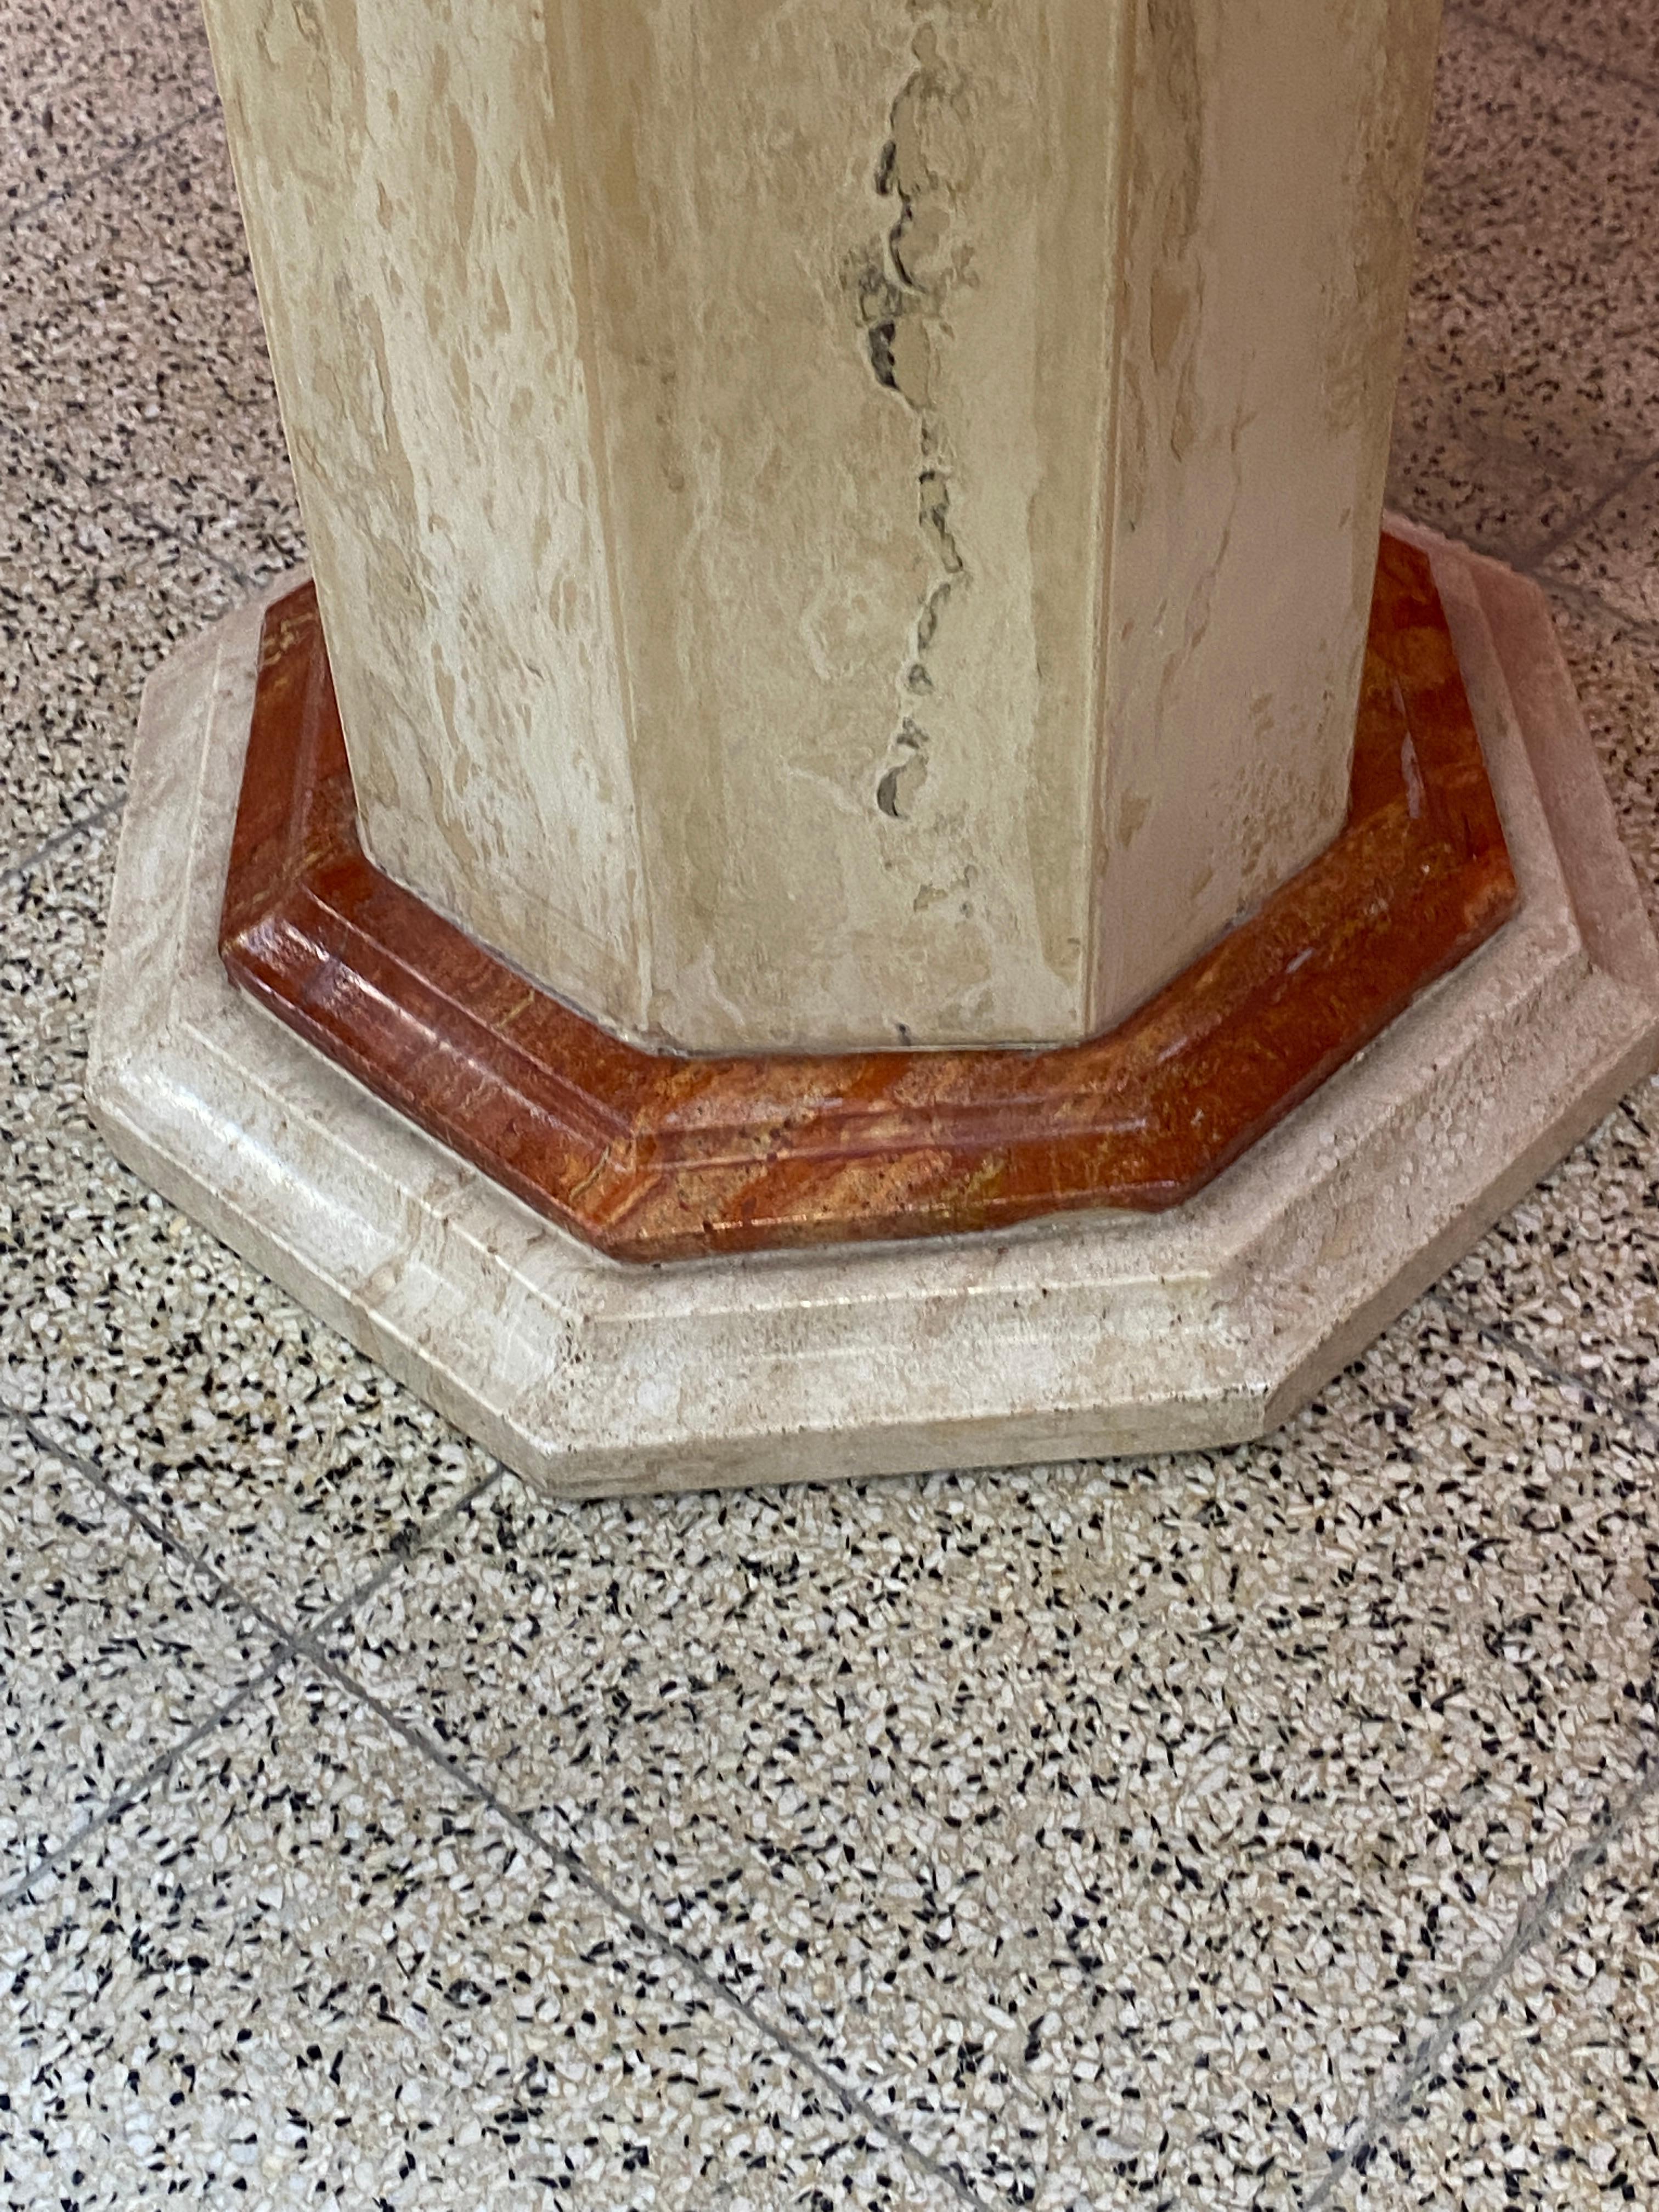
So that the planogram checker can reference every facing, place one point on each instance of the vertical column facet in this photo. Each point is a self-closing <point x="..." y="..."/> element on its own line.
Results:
<point x="838" y="521"/>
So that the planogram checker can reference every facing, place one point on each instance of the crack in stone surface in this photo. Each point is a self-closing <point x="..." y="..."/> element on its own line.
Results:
<point x="900" y="283"/>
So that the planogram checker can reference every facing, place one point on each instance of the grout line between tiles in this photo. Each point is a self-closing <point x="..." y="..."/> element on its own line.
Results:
<point x="1553" y="50"/>
<point x="1533" y="1923"/>
<point x="395" y="1555"/>
<point x="1537" y="1919"/>
<point x="304" y="1643"/>
<point x="24" y="434"/>
<point x="1608" y="1402"/>
<point x="1558" y="539"/>
<point x="15" y="871"/>
<point x="657" y="1939"/>
<point x="285" y="1643"/>
<point x="67" y="191"/>
<point x="1589" y="601"/>
<point x="134" y="1792"/>
<point x="398" y="1555"/>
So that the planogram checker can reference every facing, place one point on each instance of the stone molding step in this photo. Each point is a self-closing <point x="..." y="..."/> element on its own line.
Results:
<point x="1086" y="1333"/>
<point x="659" y="1156"/>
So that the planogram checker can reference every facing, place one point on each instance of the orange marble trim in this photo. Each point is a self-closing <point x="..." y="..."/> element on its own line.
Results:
<point x="650" y="1156"/>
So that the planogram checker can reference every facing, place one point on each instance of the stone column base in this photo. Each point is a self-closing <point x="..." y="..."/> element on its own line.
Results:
<point x="1084" y="1334"/>
<point x="664" y="1156"/>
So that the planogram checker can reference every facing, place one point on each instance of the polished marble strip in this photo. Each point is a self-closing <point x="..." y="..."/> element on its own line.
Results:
<point x="654" y="1157"/>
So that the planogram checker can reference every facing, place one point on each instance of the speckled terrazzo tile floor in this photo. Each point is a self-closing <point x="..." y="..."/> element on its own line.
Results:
<point x="1271" y="1828"/>
<point x="1605" y="556"/>
<point x="1332" y="1710"/>
<point x="132" y="347"/>
<point x="86" y="80"/>
<point x="111" y="1648"/>
<point x="1531" y="383"/>
<point x="307" y="1968"/>
<point x="1621" y="36"/>
<point x="1550" y="2094"/>
<point x="91" y="598"/>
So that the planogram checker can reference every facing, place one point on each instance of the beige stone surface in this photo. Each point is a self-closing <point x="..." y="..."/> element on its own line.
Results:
<point x="1279" y="146"/>
<point x="838" y="520"/>
<point x="1098" y="1333"/>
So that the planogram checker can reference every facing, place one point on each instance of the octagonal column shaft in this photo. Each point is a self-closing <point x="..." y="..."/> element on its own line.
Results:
<point x="838" y="521"/>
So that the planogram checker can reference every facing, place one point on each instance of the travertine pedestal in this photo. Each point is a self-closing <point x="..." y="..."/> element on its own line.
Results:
<point x="1101" y="1332"/>
<point x="840" y="527"/>
<point x="840" y="524"/>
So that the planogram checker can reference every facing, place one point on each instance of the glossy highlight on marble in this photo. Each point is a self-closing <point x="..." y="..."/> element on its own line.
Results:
<point x="657" y="1157"/>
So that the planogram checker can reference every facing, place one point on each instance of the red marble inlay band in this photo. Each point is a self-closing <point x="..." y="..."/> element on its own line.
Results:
<point x="650" y="1156"/>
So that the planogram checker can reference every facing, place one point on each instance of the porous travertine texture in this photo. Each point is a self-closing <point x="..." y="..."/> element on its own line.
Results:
<point x="1278" y="149"/>
<point x="839" y="522"/>
<point x="1096" y="1334"/>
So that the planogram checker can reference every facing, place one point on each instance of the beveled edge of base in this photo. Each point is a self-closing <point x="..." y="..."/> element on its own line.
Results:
<point x="657" y="1155"/>
<point x="1088" y="1335"/>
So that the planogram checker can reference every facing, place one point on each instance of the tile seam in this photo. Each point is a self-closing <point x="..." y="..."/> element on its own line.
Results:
<point x="15" y="871"/>
<point x="1534" y="1923"/>
<point x="133" y="1793"/>
<point x="285" y="1642"/>
<point x="303" y="1643"/>
<point x="1559" y="540"/>
<point x="1589" y="601"/>
<point x="657" y="1939"/>
<point x="1539" y="1917"/>
<point x="329" y="1616"/>
<point x="1608" y="1402"/>
<point x="61" y="193"/>
<point x="23" y="435"/>
<point x="1547" y="49"/>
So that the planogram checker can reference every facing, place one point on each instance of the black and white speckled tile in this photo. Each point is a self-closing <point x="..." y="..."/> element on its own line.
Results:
<point x="1621" y="36"/>
<point x="1614" y="664"/>
<point x="1531" y="376"/>
<point x="252" y="1434"/>
<point x="85" y="79"/>
<point x="1126" y="1821"/>
<point x="1572" y="1273"/>
<point x="1550" y="2096"/>
<point x="112" y="1650"/>
<point x="18" y="1455"/>
<point x="307" y="1969"/>
<point x="132" y="348"/>
<point x="1614" y="554"/>
<point x="90" y="602"/>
